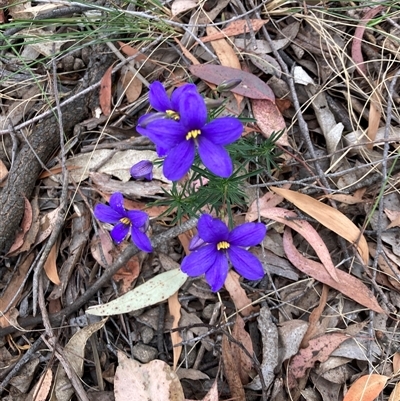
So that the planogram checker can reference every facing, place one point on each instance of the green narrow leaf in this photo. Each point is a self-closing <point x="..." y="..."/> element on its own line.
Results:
<point x="157" y="289"/>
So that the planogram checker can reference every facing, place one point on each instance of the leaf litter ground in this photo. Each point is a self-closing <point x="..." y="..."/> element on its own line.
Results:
<point x="318" y="96"/>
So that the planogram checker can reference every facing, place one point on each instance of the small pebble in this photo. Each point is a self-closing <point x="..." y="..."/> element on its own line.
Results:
<point x="144" y="353"/>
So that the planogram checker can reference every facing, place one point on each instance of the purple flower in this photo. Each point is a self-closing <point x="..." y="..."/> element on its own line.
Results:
<point x="212" y="259"/>
<point x="142" y="170"/>
<point x="160" y="101"/>
<point x="179" y="139"/>
<point x="135" y="220"/>
<point x="166" y="107"/>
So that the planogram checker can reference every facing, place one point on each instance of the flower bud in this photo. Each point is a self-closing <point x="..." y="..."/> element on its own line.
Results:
<point x="228" y="85"/>
<point x="142" y="170"/>
<point x="150" y="117"/>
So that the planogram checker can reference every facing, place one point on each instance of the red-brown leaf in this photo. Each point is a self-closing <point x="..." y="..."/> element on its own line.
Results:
<point x="251" y="86"/>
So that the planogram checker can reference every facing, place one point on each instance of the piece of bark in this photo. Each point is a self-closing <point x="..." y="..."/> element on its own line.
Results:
<point x="44" y="140"/>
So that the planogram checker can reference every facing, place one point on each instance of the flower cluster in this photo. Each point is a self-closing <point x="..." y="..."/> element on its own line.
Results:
<point x="179" y="127"/>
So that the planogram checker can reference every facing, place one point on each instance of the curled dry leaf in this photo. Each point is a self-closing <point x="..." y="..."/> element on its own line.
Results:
<point x="348" y="285"/>
<point x="105" y="92"/>
<point x="306" y="230"/>
<point x="238" y="294"/>
<point x="328" y="217"/>
<point x="366" y="388"/>
<point x="356" y="52"/>
<point x="25" y="226"/>
<point x="74" y="351"/>
<point x="231" y="371"/>
<point x="175" y="311"/>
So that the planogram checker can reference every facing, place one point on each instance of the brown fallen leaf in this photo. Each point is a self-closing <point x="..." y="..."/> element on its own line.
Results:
<point x="306" y="230"/>
<point x="328" y="217"/>
<point x="105" y="92"/>
<point x="251" y="86"/>
<point x="25" y="226"/>
<point x="348" y="285"/>
<point x="50" y="266"/>
<point x="175" y="311"/>
<point x="231" y="371"/>
<point x="238" y="294"/>
<point x="269" y="119"/>
<point x="235" y="28"/>
<point x="356" y="53"/>
<point x="243" y="362"/>
<point x="366" y="388"/>
<point x="318" y="350"/>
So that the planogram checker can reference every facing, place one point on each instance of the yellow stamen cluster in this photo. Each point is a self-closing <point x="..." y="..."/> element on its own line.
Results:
<point x="193" y="134"/>
<point x="125" y="221"/>
<point x="222" y="245"/>
<point x="173" y="114"/>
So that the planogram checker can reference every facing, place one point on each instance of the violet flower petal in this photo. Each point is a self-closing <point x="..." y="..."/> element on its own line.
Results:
<point x="198" y="262"/>
<point x="178" y="92"/>
<point x="212" y="230"/>
<point x="245" y="263"/>
<point x="106" y="214"/>
<point x="119" y="232"/>
<point x="216" y="276"/>
<point x="248" y="234"/>
<point x="179" y="160"/>
<point x="158" y="97"/>
<point x="141" y="240"/>
<point x="117" y="203"/>
<point x="215" y="158"/>
<point x="223" y="130"/>
<point x="195" y="243"/>
<point x="137" y="218"/>
<point x="193" y="111"/>
<point x="166" y="133"/>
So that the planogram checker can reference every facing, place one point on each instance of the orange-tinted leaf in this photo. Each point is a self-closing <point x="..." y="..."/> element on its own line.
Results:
<point x="307" y="231"/>
<point x="348" y="285"/>
<point x="3" y="171"/>
<point x="269" y="119"/>
<point x="130" y="51"/>
<point x="238" y="294"/>
<point x="244" y="362"/>
<point x="105" y="92"/>
<point x="319" y="349"/>
<point x="25" y="226"/>
<point x="175" y="311"/>
<point x="8" y="298"/>
<point x="251" y="86"/>
<point x="265" y="202"/>
<point x="366" y="388"/>
<point x="128" y="274"/>
<point x="50" y="266"/>
<point x="356" y="52"/>
<point x="395" y="395"/>
<point x="132" y="85"/>
<point x="231" y="371"/>
<point x="237" y="27"/>
<point x="329" y="217"/>
<point x="396" y="362"/>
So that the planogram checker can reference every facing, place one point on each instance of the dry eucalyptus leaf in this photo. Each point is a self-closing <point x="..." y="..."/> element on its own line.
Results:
<point x="156" y="290"/>
<point x="75" y="353"/>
